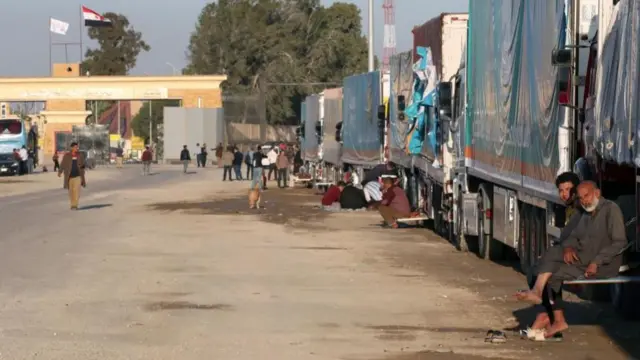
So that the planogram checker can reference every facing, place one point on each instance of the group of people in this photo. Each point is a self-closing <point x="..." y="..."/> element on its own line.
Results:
<point x="379" y="191"/>
<point x="590" y="246"/>
<point x="274" y="164"/>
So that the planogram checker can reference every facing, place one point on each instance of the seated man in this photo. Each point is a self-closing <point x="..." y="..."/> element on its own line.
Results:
<point x="331" y="198"/>
<point x="394" y="204"/>
<point x="373" y="192"/>
<point x="567" y="184"/>
<point x="590" y="250"/>
<point x="352" y="198"/>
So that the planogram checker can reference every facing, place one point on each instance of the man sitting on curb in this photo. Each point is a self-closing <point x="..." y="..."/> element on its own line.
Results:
<point x="331" y="199"/>
<point x="394" y="204"/>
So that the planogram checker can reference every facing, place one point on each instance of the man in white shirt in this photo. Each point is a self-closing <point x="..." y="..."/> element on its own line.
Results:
<point x="24" y="157"/>
<point x="272" y="155"/>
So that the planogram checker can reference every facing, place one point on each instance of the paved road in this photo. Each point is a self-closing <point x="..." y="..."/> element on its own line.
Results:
<point x="128" y="278"/>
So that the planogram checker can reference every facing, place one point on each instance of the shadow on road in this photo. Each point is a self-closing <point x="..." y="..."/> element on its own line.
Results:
<point x="96" y="206"/>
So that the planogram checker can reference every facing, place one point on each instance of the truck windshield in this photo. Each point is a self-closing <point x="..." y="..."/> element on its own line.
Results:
<point x="10" y="127"/>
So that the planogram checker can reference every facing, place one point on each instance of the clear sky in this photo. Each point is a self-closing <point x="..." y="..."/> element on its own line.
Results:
<point x="165" y="26"/>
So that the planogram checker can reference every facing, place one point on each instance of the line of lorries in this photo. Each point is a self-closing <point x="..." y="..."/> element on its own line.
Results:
<point x="483" y="113"/>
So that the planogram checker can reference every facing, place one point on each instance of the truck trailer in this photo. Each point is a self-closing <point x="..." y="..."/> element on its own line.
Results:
<point x="520" y="110"/>
<point x="363" y="122"/>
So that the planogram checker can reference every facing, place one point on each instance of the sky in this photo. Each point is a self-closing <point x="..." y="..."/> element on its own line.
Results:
<point x="166" y="28"/>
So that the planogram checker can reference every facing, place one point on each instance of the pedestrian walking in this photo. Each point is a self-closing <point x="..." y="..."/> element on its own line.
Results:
<point x="56" y="161"/>
<point x="248" y="160"/>
<point x="237" y="163"/>
<point x="198" y="156"/>
<point x="272" y="155"/>
<point x="24" y="158"/>
<point x="203" y="155"/>
<point x="282" y="163"/>
<point x="119" y="157"/>
<point x="185" y="157"/>
<point x="227" y="163"/>
<point x="219" y="153"/>
<point x="258" y="169"/>
<point x="147" y="156"/>
<point x="72" y="166"/>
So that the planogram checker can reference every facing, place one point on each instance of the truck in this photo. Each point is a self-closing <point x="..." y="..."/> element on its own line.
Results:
<point x="331" y="142"/>
<point x="312" y="109"/>
<point x="363" y="122"/>
<point x="521" y="111"/>
<point x="420" y="142"/>
<point x="14" y="135"/>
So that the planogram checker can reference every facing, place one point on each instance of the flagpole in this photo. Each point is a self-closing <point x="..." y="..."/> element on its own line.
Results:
<point x="50" y="46"/>
<point x="81" y="33"/>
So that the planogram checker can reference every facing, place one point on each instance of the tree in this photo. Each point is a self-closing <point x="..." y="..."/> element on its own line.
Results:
<point x="151" y="111"/>
<point x="261" y="42"/>
<point x="118" y="47"/>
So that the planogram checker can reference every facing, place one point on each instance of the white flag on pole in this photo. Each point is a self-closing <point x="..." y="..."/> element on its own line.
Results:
<point x="58" y="27"/>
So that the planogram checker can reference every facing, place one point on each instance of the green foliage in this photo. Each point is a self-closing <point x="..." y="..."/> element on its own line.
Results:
<point x="118" y="47"/>
<point x="257" y="42"/>
<point x="153" y="112"/>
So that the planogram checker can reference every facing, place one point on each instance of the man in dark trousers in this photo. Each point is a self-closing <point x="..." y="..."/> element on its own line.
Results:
<point x="198" y="156"/>
<point x="203" y="155"/>
<point x="185" y="157"/>
<point x="72" y="166"/>
<point x="248" y="160"/>
<point x="590" y="251"/>
<point x="237" y="163"/>
<point x="567" y="184"/>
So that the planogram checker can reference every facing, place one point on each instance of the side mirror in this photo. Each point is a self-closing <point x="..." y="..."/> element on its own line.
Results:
<point x="339" y="131"/>
<point x="401" y="107"/>
<point x="382" y="112"/>
<point x="561" y="57"/>
<point x="564" y="87"/>
<point x="444" y="93"/>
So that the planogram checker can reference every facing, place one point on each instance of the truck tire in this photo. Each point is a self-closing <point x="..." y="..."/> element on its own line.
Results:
<point x="460" y="240"/>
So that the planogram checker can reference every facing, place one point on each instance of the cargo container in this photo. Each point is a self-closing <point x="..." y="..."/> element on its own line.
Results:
<point x="331" y="144"/>
<point x="361" y="127"/>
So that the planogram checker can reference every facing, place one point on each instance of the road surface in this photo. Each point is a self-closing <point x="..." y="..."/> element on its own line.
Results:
<point x="175" y="266"/>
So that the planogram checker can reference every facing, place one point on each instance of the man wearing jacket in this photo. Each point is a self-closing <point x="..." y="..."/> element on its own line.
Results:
<point x="185" y="157"/>
<point x="72" y="166"/>
<point x="146" y="161"/>
<point x="227" y="163"/>
<point x="237" y="163"/>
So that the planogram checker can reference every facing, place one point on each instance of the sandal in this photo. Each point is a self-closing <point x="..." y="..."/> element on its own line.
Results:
<point x="541" y="336"/>
<point x="495" y="337"/>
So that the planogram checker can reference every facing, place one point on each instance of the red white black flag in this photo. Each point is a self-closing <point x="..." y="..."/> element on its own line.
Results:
<point x="93" y="19"/>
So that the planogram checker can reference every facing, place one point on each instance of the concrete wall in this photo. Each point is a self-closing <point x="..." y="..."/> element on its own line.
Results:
<point x="250" y="133"/>
<point x="191" y="126"/>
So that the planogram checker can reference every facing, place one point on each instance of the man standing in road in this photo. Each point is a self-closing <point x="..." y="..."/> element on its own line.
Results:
<point x="119" y="157"/>
<point x="282" y="162"/>
<point x="185" y="157"/>
<point x="24" y="157"/>
<point x="237" y="163"/>
<point x="147" y="156"/>
<point x="219" y="151"/>
<point x="203" y="155"/>
<point x="248" y="160"/>
<point x="227" y="163"/>
<point x="72" y="166"/>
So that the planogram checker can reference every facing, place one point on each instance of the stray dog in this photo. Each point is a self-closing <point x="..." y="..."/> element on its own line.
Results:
<point x="254" y="197"/>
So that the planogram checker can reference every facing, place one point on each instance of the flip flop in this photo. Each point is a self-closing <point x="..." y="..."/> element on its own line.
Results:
<point x="530" y="333"/>
<point x="540" y="337"/>
<point x="495" y="337"/>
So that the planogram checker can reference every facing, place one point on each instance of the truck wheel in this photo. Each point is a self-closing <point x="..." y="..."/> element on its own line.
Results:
<point x="461" y="241"/>
<point x="488" y="248"/>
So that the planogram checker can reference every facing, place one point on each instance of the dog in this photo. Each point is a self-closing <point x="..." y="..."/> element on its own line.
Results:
<point x="254" y="197"/>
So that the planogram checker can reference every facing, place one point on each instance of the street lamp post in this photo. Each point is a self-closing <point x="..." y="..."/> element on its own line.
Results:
<point x="173" y="68"/>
